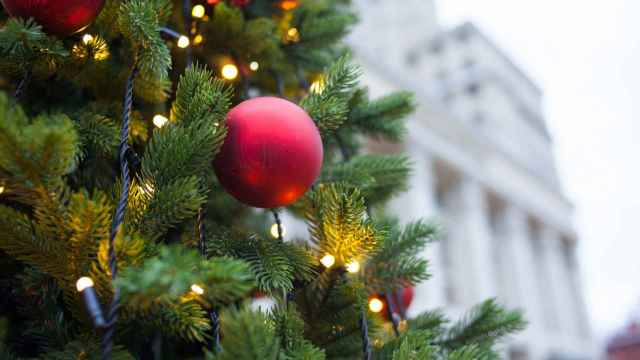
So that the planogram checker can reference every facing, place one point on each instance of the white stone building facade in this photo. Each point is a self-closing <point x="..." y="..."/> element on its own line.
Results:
<point x="484" y="167"/>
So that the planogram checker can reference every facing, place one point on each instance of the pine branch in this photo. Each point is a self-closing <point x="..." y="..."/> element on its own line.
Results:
<point x="329" y="107"/>
<point x="486" y="323"/>
<point x="247" y="336"/>
<point x="336" y="218"/>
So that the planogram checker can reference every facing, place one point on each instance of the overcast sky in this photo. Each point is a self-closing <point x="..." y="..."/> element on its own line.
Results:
<point x="586" y="57"/>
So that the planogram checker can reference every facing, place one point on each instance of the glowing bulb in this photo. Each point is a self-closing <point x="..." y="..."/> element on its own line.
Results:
<point x="160" y="120"/>
<point x="87" y="38"/>
<point x="274" y="230"/>
<point x="1" y="189"/>
<point x="254" y="66"/>
<point x="198" y="39"/>
<point x="83" y="283"/>
<point x="229" y="71"/>
<point x="183" y="42"/>
<point x="353" y="267"/>
<point x="293" y="35"/>
<point x="376" y="305"/>
<point x="198" y="11"/>
<point x="197" y="289"/>
<point x="288" y="4"/>
<point x="328" y="260"/>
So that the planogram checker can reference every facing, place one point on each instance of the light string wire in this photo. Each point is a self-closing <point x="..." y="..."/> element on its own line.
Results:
<point x="202" y="213"/>
<point x="22" y="85"/>
<point x="118" y="218"/>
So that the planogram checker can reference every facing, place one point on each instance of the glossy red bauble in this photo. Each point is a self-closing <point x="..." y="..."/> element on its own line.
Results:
<point x="272" y="153"/>
<point x="58" y="17"/>
<point x="407" y="297"/>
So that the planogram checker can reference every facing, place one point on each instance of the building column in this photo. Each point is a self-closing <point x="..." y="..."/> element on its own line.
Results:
<point x="470" y="237"/>
<point x="523" y="286"/>
<point x="564" y="306"/>
<point x="419" y="202"/>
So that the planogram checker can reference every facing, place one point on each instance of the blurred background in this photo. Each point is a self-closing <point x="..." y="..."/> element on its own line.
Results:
<point x="526" y="149"/>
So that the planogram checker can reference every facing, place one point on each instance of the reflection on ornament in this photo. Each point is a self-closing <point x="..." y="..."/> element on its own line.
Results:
<point x="328" y="260"/>
<point x="160" y="120"/>
<point x="229" y="71"/>
<point x="376" y="305"/>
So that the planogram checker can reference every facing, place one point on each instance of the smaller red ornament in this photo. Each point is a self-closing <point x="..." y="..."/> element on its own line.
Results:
<point x="407" y="297"/>
<point x="58" y="17"/>
<point x="272" y="153"/>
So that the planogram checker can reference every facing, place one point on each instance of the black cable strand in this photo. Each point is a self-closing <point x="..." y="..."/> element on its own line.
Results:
<point x="186" y="14"/>
<point x="391" y="312"/>
<point x="278" y="224"/>
<point x="364" y="331"/>
<point x="118" y="218"/>
<point x="22" y="85"/>
<point x="213" y="313"/>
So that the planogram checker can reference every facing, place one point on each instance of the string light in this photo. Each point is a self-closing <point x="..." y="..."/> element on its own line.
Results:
<point x="229" y="71"/>
<point x="197" y="289"/>
<point x="1" y="189"/>
<point x="87" y="38"/>
<point x="254" y="66"/>
<point x="160" y="120"/>
<point x="328" y="260"/>
<point x="183" y="42"/>
<point x="274" y="230"/>
<point x="376" y="305"/>
<point x="198" y="11"/>
<point x="84" y="283"/>
<point x="198" y="39"/>
<point x="293" y="35"/>
<point x="353" y="267"/>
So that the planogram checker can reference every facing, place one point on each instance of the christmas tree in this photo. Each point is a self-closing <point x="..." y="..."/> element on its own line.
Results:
<point x="146" y="147"/>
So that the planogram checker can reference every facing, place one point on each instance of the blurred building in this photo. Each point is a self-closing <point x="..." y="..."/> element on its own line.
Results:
<point x="484" y="166"/>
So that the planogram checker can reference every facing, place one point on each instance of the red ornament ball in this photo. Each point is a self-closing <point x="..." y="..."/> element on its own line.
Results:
<point x="407" y="297"/>
<point x="58" y="17"/>
<point x="272" y="153"/>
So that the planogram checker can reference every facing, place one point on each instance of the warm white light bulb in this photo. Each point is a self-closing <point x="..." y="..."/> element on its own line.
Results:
<point x="229" y="71"/>
<point x="376" y="305"/>
<point x="160" y="120"/>
<point x="183" y="42"/>
<point x="1" y="189"/>
<point x="197" y="289"/>
<point x="83" y="283"/>
<point x="274" y="230"/>
<point x="87" y="38"/>
<point x="353" y="267"/>
<point x="254" y="66"/>
<point x="198" y="11"/>
<point x="328" y="260"/>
